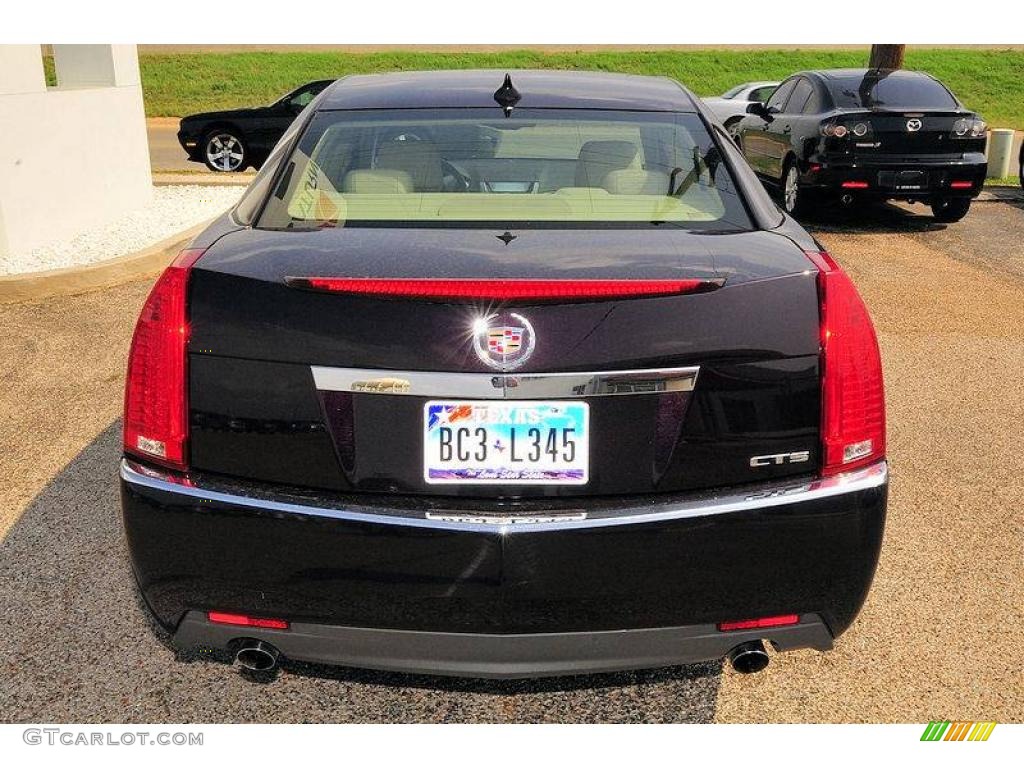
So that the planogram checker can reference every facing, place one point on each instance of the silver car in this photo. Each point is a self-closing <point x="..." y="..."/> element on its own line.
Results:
<point x="731" y="106"/>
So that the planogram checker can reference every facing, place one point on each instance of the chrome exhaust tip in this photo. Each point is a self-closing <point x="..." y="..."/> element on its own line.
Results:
<point x="747" y="658"/>
<point x="256" y="656"/>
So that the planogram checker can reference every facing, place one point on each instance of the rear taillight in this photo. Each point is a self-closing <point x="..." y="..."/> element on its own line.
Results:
<point x="853" y="397"/>
<point x="969" y="128"/>
<point x="155" y="393"/>
<point x="834" y="130"/>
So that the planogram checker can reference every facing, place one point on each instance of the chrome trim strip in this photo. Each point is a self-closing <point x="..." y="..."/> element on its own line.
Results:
<point x="764" y="498"/>
<point x="499" y="386"/>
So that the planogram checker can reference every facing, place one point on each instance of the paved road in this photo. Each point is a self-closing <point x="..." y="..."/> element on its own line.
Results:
<point x="165" y="154"/>
<point x="939" y="636"/>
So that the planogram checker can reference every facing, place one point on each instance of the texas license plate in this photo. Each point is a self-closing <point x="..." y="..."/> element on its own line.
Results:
<point x="512" y="442"/>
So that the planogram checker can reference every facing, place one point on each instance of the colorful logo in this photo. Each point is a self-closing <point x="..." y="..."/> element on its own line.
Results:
<point x="958" y="730"/>
<point x="503" y="340"/>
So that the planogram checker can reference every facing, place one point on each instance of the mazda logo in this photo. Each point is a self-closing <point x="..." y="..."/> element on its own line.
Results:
<point x="913" y="125"/>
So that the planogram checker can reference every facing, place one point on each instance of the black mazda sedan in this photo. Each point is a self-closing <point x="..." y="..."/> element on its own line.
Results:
<point x="854" y="134"/>
<point x="504" y="376"/>
<point x="233" y="139"/>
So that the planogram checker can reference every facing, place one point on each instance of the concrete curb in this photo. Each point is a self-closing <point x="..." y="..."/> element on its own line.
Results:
<point x="89" y="277"/>
<point x="170" y="178"/>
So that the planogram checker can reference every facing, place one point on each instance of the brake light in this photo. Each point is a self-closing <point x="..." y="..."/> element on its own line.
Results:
<point x="961" y="184"/>
<point x="852" y="396"/>
<point x="860" y="130"/>
<point x="503" y="290"/>
<point x="155" y="393"/>
<point x="768" y="621"/>
<point x="854" y="185"/>
<point x="973" y="128"/>
<point x="240" y="620"/>
<point x="834" y="130"/>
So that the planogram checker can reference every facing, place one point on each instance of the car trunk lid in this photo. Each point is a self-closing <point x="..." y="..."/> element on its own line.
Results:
<point x="262" y="353"/>
<point x="904" y="135"/>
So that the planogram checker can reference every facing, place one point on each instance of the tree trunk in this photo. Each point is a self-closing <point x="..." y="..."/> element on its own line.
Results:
<point x="886" y="57"/>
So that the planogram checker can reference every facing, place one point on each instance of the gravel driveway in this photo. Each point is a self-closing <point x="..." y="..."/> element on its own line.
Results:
<point x="938" y="637"/>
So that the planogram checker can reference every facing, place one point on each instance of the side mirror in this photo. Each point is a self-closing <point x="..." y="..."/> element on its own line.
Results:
<point x="758" y="108"/>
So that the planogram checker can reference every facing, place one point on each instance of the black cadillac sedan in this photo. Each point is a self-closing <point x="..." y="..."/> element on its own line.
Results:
<point x="855" y="134"/>
<point x="504" y="376"/>
<point x="233" y="139"/>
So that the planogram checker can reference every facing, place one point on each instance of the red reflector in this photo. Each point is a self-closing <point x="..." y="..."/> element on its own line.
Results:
<point x="155" y="393"/>
<point x="768" y="621"/>
<point x="239" y="620"/>
<point x="962" y="184"/>
<point x="503" y="290"/>
<point x="853" y="396"/>
<point x="854" y="185"/>
<point x="815" y="167"/>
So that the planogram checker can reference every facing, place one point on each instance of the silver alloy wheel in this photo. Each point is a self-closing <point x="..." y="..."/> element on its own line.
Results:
<point x="224" y="152"/>
<point x="791" y="189"/>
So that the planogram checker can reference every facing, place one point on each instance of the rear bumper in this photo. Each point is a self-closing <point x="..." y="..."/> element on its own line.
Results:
<point x="420" y="587"/>
<point x="891" y="178"/>
<point x="500" y="656"/>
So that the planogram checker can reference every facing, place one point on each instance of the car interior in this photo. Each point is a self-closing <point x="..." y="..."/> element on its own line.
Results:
<point x="545" y="170"/>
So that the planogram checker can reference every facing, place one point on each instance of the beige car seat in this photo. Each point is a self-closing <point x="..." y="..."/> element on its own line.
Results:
<point x="419" y="159"/>
<point x="599" y="158"/>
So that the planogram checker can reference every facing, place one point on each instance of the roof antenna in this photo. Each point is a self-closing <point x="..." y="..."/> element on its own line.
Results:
<point x="507" y="96"/>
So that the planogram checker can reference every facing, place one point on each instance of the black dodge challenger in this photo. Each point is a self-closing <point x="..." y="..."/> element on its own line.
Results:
<point x="233" y="139"/>
<point x="854" y="134"/>
<point x="504" y="376"/>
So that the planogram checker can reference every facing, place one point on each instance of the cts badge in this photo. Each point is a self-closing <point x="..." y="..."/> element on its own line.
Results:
<point x="797" y="457"/>
<point x="504" y="340"/>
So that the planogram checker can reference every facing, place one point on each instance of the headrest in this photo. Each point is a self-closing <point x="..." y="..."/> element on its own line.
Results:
<point x="597" y="158"/>
<point x="632" y="181"/>
<point x="420" y="159"/>
<point x="378" y="183"/>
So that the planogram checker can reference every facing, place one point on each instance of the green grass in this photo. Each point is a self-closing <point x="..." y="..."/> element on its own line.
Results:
<point x="1006" y="181"/>
<point x="988" y="81"/>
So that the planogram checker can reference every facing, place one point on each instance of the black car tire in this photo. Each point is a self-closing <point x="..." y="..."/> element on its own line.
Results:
<point x="794" y="199"/>
<point x="224" y="151"/>
<point x="950" y="209"/>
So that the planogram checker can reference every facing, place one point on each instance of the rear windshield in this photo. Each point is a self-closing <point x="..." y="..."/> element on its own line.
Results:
<point x="891" y="91"/>
<point x="539" y="168"/>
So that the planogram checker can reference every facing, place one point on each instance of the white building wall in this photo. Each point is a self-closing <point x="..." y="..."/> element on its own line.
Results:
<point x="74" y="156"/>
